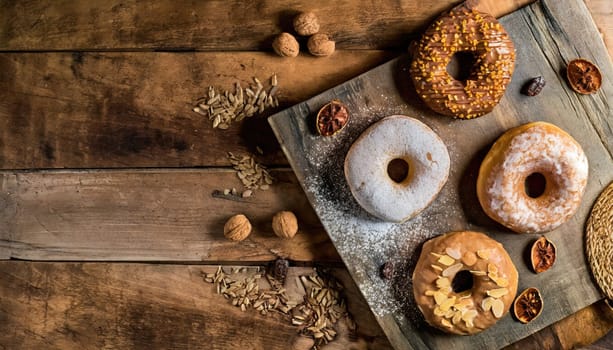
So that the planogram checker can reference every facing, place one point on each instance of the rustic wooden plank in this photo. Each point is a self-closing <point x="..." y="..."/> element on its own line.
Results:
<point x="601" y="11"/>
<point x="210" y="25"/>
<point x="547" y="34"/>
<point x="138" y="306"/>
<point x="102" y="110"/>
<point x="149" y="215"/>
<point x="576" y="331"/>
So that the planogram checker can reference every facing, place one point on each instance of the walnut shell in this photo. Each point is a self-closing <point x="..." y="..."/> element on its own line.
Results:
<point x="320" y="45"/>
<point x="306" y="24"/>
<point x="285" y="224"/>
<point x="285" y="45"/>
<point x="237" y="228"/>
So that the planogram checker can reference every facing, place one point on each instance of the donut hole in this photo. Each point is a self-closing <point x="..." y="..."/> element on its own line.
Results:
<point x="398" y="170"/>
<point x="535" y="185"/>
<point x="461" y="65"/>
<point x="462" y="281"/>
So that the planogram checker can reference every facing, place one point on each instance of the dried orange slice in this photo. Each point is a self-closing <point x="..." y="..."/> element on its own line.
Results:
<point x="542" y="255"/>
<point x="528" y="305"/>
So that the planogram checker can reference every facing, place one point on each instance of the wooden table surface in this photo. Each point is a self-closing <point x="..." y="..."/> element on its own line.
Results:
<point x="107" y="212"/>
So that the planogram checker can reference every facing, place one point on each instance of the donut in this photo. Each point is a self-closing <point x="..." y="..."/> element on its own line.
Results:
<point x="472" y="33"/>
<point x="396" y="138"/>
<point x="533" y="148"/>
<point x="464" y="282"/>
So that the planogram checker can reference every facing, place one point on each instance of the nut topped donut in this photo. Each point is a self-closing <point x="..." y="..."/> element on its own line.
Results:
<point x="540" y="151"/>
<point x="467" y="31"/>
<point x="464" y="282"/>
<point x="396" y="143"/>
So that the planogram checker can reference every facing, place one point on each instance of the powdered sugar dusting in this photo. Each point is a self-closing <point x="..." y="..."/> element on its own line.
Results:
<point x="366" y="167"/>
<point x="357" y="234"/>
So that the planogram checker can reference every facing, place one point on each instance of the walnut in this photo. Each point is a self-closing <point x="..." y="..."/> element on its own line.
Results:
<point x="237" y="228"/>
<point x="285" y="45"/>
<point x="320" y="45"/>
<point x="285" y="224"/>
<point x="306" y="24"/>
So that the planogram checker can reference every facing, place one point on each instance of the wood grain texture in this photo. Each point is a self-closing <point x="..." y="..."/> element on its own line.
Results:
<point x="211" y="25"/>
<point x="103" y="110"/>
<point x="547" y="34"/>
<point x="141" y="306"/>
<point x="149" y="215"/>
<point x="575" y="331"/>
<point x="601" y="11"/>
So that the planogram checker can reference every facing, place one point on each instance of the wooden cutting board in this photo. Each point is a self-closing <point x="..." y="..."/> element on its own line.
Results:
<point x="547" y="35"/>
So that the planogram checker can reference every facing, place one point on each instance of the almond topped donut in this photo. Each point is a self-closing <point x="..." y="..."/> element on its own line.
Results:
<point x="419" y="153"/>
<point x="540" y="151"/>
<point x="464" y="282"/>
<point x="468" y="32"/>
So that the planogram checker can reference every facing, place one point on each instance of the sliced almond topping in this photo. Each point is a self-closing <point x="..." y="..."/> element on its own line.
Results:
<point x="486" y="304"/>
<point x="443" y="282"/>
<point x="452" y="270"/>
<point x="446" y="323"/>
<point x="469" y="315"/>
<point x="454" y="253"/>
<point x="446" y="260"/>
<point x="483" y="254"/>
<point x="463" y="304"/>
<point x="478" y="273"/>
<point x="457" y="316"/>
<point x="497" y="308"/>
<point x="465" y="295"/>
<point x="491" y="268"/>
<point x="438" y="312"/>
<point x="445" y="290"/>
<point x="436" y="255"/>
<point x="436" y="267"/>
<point x="430" y="293"/>
<point x="500" y="281"/>
<point x="440" y="298"/>
<point x="492" y="275"/>
<point x="447" y="304"/>
<point x="449" y="313"/>
<point x="469" y="324"/>
<point x="469" y="258"/>
<point x="498" y="292"/>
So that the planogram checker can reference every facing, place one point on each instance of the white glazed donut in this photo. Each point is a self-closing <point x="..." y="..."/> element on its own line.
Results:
<point x="366" y="168"/>
<point x="541" y="148"/>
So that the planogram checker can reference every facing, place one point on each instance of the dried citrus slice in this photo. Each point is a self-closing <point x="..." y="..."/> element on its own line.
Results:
<point x="528" y="305"/>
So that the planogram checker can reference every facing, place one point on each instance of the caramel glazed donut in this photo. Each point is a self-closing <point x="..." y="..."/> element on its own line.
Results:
<point x="463" y="29"/>
<point x="366" y="168"/>
<point x="540" y="148"/>
<point x="464" y="282"/>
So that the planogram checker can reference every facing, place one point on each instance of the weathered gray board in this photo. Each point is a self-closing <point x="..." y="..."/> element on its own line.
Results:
<point x="547" y="35"/>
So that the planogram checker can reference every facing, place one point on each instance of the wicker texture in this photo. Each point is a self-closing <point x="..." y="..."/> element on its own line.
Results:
<point x="599" y="241"/>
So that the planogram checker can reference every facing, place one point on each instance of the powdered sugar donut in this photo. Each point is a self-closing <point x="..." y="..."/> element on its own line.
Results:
<point x="534" y="148"/>
<point x="401" y="139"/>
